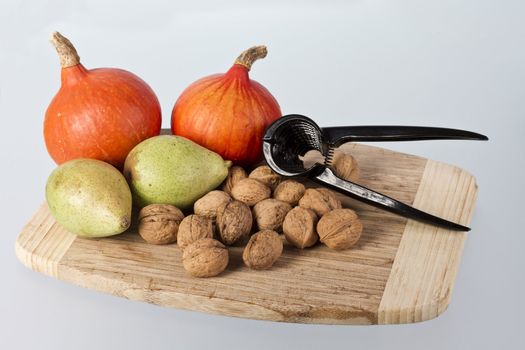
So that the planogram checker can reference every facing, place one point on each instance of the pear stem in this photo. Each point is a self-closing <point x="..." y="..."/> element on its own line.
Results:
<point x="66" y="51"/>
<point x="251" y="55"/>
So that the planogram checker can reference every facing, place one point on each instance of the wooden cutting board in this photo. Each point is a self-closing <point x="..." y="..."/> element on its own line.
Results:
<point x="400" y="271"/>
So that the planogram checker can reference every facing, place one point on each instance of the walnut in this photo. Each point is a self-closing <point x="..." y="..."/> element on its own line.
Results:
<point x="235" y="174"/>
<point x="262" y="250"/>
<point x="234" y="221"/>
<point x="193" y="228"/>
<point x="266" y="175"/>
<point x="320" y="200"/>
<point x="206" y="257"/>
<point x="299" y="227"/>
<point x="250" y="191"/>
<point x="345" y="166"/>
<point x="340" y="228"/>
<point x="159" y="223"/>
<point x="269" y="214"/>
<point x="207" y="205"/>
<point x="289" y="191"/>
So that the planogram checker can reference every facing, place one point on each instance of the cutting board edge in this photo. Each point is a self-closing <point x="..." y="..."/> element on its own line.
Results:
<point x="210" y="304"/>
<point x="42" y="227"/>
<point x="177" y="300"/>
<point x="420" y="308"/>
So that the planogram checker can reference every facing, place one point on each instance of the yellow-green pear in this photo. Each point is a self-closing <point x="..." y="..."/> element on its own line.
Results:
<point x="172" y="170"/>
<point x="89" y="198"/>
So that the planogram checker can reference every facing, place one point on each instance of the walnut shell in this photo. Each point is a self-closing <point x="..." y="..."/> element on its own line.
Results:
<point x="206" y="257"/>
<point x="269" y="214"/>
<point x="289" y="191"/>
<point x="320" y="200"/>
<point x="262" y="250"/>
<point x="192" y="228"/>
<point x="234" y="221"/>
<point x="299" y="227"/>
<point x="235" y="174"/>
<point x="250" y="191"/>
<point x="266" y="175"/>
<point x="340" y="228"/>
<point x="208" y="204"/>
<point x="345" y="166"/>
<point x="159" y="223"/>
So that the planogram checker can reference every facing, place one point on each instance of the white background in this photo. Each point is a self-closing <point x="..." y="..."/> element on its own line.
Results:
<point x="443" y="63"/>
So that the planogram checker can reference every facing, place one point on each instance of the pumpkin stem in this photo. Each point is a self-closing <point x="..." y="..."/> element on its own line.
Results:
<point x="66" y="51"/>
<point x="251" y="55"/>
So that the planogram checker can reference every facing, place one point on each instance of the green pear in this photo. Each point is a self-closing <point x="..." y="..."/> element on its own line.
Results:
<point x="89" y="198"/>
<point x="172" y="170"/>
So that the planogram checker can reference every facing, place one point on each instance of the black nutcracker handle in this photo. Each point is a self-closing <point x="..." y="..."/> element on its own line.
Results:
<point x="336" y="136"/>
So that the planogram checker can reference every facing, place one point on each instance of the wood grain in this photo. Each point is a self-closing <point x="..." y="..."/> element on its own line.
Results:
<point x="427" y="260"/>
<point x="399" y="271"/>
<point x="42" y="243"/>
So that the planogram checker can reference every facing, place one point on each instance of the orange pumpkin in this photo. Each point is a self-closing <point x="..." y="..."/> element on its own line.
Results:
<point x="228" y="113"/>
<point x="99" y="113"/>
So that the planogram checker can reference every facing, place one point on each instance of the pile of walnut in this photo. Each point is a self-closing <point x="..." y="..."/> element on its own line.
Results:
<point x="260" y="202"/>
